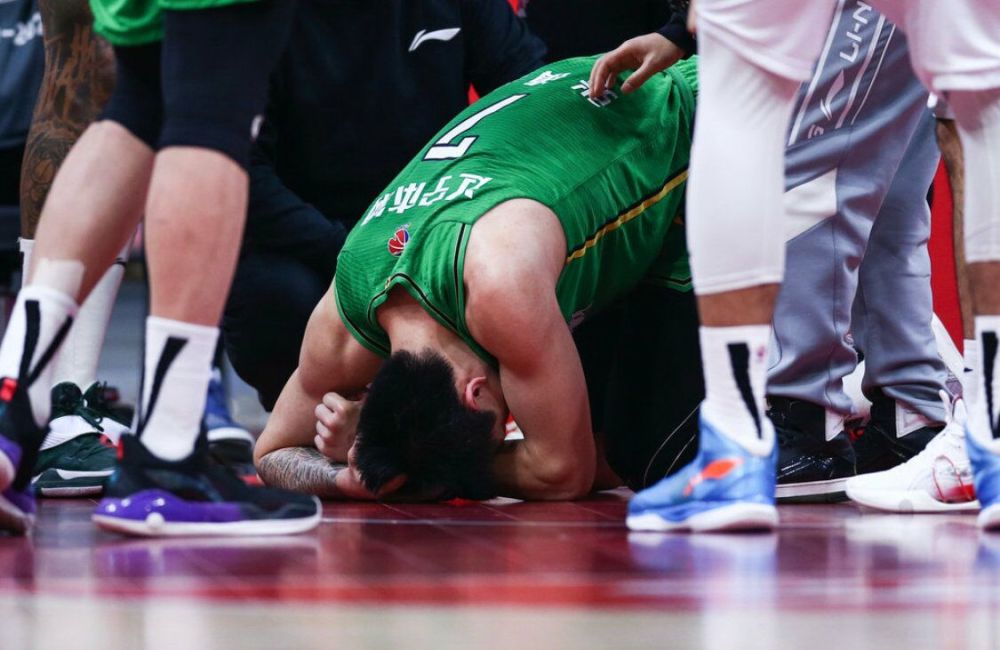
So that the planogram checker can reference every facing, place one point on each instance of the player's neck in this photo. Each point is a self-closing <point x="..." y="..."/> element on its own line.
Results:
<point x="411" y="328"/>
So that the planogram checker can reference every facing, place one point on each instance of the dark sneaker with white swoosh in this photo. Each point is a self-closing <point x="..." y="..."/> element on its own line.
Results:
<point x="151" y="497"/>
<point x="76" y="468"/>
<point x="79" y="466"/>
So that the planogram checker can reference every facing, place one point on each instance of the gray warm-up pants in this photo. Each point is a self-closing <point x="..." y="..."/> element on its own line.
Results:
<point x="861" y="155"/>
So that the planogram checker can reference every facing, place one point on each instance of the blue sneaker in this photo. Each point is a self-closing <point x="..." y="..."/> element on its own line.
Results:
<point x="724" y="488"/>
<point x="229" y="442"/>
<point x="986" y="476"/>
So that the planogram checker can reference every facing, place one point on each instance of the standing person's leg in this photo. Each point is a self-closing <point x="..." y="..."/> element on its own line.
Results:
<point x="956" y="50"/>
<point x="79" y="77"/>
<point x="852" y="125"/>
<point x="978" y="118"/>
<point x="904" y="373"/>
<point x="215" y="66"/>
<point x="750" y="70"/>
<point x="93" y="207"/>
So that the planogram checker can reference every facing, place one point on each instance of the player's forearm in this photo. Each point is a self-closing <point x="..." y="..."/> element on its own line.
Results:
<point x="303" y="470"/>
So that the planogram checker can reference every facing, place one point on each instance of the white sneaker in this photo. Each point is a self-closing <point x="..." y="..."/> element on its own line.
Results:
<point x="938" y="479"/>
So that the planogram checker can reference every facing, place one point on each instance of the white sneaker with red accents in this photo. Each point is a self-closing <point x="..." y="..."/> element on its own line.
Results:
<point x="938" y="479"/>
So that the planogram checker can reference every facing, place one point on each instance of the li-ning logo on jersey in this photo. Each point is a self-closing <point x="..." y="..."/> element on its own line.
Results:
<point x="437" y="35"/>
<point x="399" y="240"/>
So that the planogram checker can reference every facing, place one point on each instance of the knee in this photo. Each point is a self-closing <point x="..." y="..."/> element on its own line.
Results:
<point x="265" y="319"/>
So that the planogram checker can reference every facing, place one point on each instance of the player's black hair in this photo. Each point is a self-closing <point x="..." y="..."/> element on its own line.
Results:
<point x="414" y="422"/>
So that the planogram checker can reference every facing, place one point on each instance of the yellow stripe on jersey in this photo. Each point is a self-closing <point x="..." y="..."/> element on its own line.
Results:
<point x="628" y="215"/>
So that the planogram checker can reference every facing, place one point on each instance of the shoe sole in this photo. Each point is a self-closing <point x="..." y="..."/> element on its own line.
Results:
<point x="989" y="518"/>
<point x="829" y="491"/>
<point x="59" y="488"/>
<point x="156" y="526"/>
<point x="905" y="501"/>
<point x="735" y="517"/>
<point x="69" y="491"/>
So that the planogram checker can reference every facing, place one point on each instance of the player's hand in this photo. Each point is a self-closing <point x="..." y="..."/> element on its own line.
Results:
<point x="646" y="55"/>
<point x="693" y="17"/>
<point x="336" y="425"/>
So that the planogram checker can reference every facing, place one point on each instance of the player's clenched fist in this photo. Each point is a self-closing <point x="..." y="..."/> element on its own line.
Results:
<point x="336" y="425"/>
<point x="646" y="55"/>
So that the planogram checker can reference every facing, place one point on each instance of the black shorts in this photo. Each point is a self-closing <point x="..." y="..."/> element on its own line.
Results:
<point x="206" y="84"/>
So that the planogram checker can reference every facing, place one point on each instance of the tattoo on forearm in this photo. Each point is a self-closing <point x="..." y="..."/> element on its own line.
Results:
<point x="302" y="469"/>
<point x="79" y="76"/>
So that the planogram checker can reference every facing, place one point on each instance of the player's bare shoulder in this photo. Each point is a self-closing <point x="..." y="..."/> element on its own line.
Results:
<point x="515" y="254"/>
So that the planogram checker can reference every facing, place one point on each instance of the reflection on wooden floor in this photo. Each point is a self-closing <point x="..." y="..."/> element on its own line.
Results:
<point x="508" y="574"/>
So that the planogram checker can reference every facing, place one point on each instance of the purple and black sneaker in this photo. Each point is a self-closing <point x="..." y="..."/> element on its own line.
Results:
<point x="20" y="438"/>
<point x="151" y="497"/>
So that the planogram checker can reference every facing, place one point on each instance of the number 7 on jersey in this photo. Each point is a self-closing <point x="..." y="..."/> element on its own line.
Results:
<point x="446" y="149"/>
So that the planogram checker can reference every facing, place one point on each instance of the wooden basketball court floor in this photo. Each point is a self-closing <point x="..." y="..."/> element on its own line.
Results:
<point x="505" y="574"/>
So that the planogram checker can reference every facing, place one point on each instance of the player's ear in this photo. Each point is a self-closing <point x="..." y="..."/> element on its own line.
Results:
<point x="474" y="393"/>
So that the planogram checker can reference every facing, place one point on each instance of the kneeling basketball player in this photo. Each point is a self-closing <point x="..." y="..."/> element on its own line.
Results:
<point x="530" y="260"/>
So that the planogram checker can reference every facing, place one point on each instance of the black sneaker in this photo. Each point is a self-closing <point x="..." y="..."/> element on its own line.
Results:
<point x="20" y="439"/>
<point x="877" y="446"/>
<point x="79" y="466"/>
<point x="194" y="496"/>
<point x="237" y="455"/>
<point x="106" y="402"/>
<point x="811" y="469"/>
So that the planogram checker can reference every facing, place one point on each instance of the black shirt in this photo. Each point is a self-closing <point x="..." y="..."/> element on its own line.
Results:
<point x="584" y="27"/>
<point x="363" y="85"/>
<point x="22" y="62"/>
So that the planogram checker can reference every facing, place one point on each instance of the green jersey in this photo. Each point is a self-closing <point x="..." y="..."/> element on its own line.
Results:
<point x="613" y="171"/>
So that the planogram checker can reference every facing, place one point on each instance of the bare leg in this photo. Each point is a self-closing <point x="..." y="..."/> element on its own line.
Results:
<point x="736" y="236"/>
<point x="194" y="225"/>
<point x="985" y="280"/>
<point x="94" y="206"/>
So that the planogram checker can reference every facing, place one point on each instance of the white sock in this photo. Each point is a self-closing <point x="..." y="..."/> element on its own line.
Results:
<point x="986" y="403"/>
<point x="970" y="377"/>
<point x="41" y="318"/>
<point x="733" y="356"/>
<point x="26" y="246"/>
<point x="77" y="360"/>
<point x="178" y="368"/>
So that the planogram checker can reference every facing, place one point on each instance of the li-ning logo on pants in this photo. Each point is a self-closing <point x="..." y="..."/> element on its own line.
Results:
<point x="258" y="122"/>
<point x="437" y="35"/>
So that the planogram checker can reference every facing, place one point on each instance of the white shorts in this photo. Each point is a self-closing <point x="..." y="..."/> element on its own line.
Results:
<point x="954" y="44"/>
<point x="783" y="37"/>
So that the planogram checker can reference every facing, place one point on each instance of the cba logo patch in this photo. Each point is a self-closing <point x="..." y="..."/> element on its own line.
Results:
<point x="399" y="240"/>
